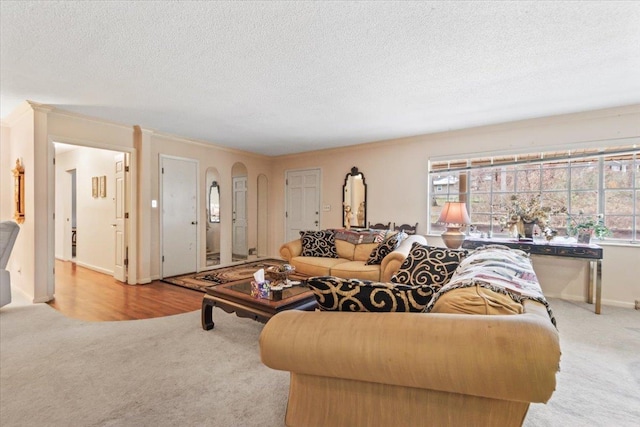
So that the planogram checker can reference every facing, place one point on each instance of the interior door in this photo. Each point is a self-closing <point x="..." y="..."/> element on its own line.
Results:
<point x="240" y="216"/>
<point x="303" y="202"/>
<point x="179" y="216"/>
<point x="120" y="217"/>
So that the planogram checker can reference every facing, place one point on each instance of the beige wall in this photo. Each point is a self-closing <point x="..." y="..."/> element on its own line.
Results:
<point x="397" y="185"/>
<point x="395" y="172"/>
<point x="18" y="142"/>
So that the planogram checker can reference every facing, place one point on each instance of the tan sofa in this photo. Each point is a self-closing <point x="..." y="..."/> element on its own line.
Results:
<point x="465" y="363"/>
<point x="412" y="369"/>
<point x="351" y="261"/>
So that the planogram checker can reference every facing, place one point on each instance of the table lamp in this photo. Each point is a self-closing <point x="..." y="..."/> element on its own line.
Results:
<point x="455" y="216"/>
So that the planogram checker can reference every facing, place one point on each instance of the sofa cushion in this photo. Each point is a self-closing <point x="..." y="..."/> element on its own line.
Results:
<point x="476" y="300"/>
<point x="363" y="251"/>
<point x="344" y="249"/>
<point x="355" y="270"/>
<point x="429" y="265"/>
<point x="318" y="244"/>
<point x="336" y="294"/>
<point x="315" y="266"/>
<point x="389" y="245"/>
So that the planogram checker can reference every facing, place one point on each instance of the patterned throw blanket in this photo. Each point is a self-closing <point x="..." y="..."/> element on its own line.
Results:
<point x="500" y="269"/>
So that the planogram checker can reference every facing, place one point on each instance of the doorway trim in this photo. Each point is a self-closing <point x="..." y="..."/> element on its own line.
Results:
<point x="131" y="241"/>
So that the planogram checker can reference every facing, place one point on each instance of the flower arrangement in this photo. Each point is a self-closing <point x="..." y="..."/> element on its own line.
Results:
<point x="587" y="223"/>
<point x="527" y="209"/>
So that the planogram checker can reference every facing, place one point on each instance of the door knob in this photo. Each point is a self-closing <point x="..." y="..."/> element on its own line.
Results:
<point x="194" y="222"/>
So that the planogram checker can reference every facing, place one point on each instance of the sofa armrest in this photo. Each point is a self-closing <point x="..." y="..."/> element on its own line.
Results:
<point x="392" y="262"/>
<point x="291" y="249"/>
<point x="508" y="357"/>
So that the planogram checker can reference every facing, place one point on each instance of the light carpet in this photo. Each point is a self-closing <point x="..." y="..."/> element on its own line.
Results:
<point x="57" y="371"/>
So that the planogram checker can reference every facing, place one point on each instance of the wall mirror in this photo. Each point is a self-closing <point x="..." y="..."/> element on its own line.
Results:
<point x="213" y="216"/>
<point x="354" y="199"/>
<point x="239" y="249"/>
<point x="18" y="192"/>
<point x="214" y="202"/>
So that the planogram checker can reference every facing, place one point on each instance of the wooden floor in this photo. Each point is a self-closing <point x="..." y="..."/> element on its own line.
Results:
<point x="85" y="294"/>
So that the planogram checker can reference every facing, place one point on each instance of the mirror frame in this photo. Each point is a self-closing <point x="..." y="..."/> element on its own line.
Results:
<point x="18" y="192"/>
<point x="348" y="185"/>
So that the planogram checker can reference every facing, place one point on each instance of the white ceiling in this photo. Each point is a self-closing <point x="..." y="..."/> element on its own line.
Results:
<point x="290" y="76"/>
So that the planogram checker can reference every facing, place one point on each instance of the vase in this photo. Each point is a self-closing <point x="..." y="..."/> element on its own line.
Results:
<point x="527" y="229"/>
<point x="584" y="236"/>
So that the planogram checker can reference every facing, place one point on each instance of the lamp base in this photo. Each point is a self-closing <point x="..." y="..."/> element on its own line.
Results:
<point x="453" y="237"/>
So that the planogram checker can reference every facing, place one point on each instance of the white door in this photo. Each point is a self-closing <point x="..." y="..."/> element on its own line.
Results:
<point x="179" y="216"/>
<point x="240" y="216"/>
<point x="303" y="202"/>
<point x="120" y="221"/>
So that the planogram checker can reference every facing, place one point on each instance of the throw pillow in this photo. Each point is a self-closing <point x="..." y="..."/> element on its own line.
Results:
<point x="387" y="246"/>
<point x="319" y="244"/>
<point x="429" y="265"/>
<point x="336" y="294"/>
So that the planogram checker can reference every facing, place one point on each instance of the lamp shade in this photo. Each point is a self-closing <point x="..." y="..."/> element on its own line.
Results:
<point x="454" y="213"/>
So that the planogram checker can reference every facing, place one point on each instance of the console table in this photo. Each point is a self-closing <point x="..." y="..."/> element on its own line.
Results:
<point x="591" y="253"/>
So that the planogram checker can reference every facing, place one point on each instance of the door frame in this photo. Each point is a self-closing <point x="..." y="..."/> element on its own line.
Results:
<point x="161" y="157"/>
<point x="131" y="241"/>
<point x="121" y="224"/>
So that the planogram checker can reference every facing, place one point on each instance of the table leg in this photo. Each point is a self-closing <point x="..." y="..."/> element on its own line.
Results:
<point x="592" y="281"/>
<point x="207" y="313"/>
<point x="598" y="285"/>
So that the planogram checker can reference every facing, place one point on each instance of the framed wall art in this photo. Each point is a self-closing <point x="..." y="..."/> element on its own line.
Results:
<point x="102" y="185"/>
<point x="94" y="187"/>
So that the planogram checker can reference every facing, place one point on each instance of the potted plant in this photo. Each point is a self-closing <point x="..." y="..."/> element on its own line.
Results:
<point x="584" y="226"/>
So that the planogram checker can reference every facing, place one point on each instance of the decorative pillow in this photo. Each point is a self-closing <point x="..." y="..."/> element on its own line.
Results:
<point x="336" y="294"/>
<point x="319" y="243"/>
<point x="389" y="245"/>
<point x="429" y="265"/>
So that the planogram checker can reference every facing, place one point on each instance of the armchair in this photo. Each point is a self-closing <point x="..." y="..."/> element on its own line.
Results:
<point x="8" y="233"/>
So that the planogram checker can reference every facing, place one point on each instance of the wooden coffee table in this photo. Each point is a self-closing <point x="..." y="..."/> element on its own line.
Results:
<point x="235" y="297"/>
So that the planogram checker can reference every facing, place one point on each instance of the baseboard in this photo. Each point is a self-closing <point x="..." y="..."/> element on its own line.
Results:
<point x="94" y="268"/>
<point x="578" y="298"/>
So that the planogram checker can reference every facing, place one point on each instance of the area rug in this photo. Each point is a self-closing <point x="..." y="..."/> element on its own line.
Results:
<point x="206" y="279"/>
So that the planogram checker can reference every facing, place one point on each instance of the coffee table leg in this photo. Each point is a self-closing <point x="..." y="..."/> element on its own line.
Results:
<point x="207" y="314"/>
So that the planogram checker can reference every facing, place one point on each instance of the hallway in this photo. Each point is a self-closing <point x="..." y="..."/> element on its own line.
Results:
<point x="85" y="294"/>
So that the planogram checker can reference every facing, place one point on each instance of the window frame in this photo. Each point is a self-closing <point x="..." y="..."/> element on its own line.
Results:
<point x="565" y="161"/>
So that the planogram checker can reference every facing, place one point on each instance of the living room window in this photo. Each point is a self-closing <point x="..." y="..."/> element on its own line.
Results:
<point x="593" y="181"/>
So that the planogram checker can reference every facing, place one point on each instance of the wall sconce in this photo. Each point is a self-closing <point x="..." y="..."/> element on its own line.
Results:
<point x="455" y="216"/>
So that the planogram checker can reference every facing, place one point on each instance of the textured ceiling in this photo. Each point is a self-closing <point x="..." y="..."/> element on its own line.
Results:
<point x="283" y="77"/>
